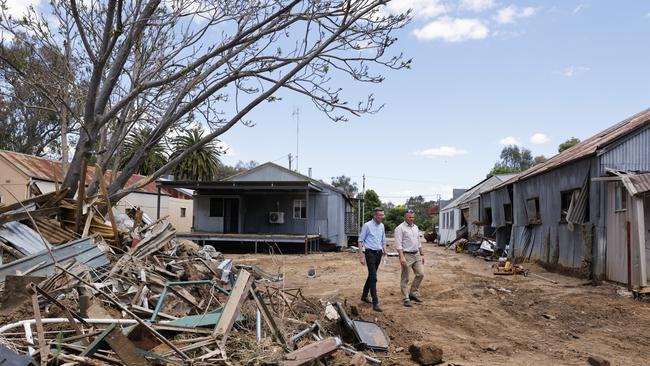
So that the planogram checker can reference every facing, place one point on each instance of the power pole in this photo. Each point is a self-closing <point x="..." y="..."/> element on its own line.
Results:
<point x="363" y="204"/>
<point x="296" y="115"/>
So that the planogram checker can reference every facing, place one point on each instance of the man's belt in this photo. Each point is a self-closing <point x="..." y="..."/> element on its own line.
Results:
<point x="416" y="252"/>
<point x="373" y="251"/>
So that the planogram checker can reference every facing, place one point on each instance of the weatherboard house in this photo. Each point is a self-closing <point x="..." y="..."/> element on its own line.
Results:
<point x="269" y="204"/>
<point x="586" y="210"/>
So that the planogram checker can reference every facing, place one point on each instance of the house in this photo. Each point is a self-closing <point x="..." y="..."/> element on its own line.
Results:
<point x="23" y="176"/>
<point x="586" y="210"/>
<point x="462" y="213"/>
<point x="269" y="204"/>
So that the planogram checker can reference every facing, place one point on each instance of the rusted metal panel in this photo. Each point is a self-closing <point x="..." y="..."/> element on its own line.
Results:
<point x="630" y="154"/>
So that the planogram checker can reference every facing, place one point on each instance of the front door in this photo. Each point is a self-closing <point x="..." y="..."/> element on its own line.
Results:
<point x="231" y="215"/>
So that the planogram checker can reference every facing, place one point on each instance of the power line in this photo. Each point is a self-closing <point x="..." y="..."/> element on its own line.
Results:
<point x="401" y="179"/>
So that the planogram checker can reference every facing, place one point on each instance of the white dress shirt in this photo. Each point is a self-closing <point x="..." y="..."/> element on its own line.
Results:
<point x="407" y="237"/>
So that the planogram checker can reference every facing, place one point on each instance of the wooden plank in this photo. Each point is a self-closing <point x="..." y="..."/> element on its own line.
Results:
<point x="18" y="216"/>
<point x="307" y="355"/>
<point x="42" y="347"/>
<point x="268" y="318"/>
<point x="111" y="215"/>
<point x="81" y="196"/>
<point x="233" y="305"/>
<point x="37" y="200"/>
<point x="124" y="348"/>
<point x="89" y="220"/>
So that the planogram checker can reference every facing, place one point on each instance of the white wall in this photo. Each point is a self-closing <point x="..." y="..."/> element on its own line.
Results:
<point x="182" y="224"/>
<point x="449" y="234"/>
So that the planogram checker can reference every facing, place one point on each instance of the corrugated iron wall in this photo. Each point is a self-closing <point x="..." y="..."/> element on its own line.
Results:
<point x="551" y="242"/>
<point x="631" y="154"/>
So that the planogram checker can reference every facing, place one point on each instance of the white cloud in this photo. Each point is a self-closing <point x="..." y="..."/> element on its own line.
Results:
<point x="446" y="151"/>
<point x="539" y="139"/>
<point x="426" y="9"/>
<point x="509" y="140"/>
<point x="578" y="8"/>
<point x="452" y="30"/>
<point x="511" y="14"/>
<point x="476" y="5"/>
<point x="572" y="71"/>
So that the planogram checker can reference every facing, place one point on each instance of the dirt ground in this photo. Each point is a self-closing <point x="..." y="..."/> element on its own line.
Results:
<point x="478" y="318"/>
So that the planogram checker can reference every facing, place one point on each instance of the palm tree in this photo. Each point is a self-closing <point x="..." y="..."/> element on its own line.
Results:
<point x="134" y="142"/>
<point x="203" y="164"/>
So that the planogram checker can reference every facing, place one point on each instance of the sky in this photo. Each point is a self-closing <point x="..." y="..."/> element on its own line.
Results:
<point x="485" y="73"/>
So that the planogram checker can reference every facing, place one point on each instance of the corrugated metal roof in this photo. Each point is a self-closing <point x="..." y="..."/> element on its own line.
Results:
<point x="83" y="251"/>
<point x="22" y="237"/>
<point x="585" y="148"/>
<point x="472" y="193"/>
<point x="640" y="182"/>
<point x="51" y="170"/>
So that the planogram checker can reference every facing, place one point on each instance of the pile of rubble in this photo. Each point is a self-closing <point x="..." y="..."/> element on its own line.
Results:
<point x="80" y="288"/>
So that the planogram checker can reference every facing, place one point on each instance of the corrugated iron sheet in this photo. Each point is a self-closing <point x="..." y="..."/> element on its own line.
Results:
<point x="83" y="251"/>
<point x="641" y="182"/>
<point x="22" y="237"/>
<point x="50" y="170"/>
<point x="53" y="232"/>
<point x="631" y="155"/>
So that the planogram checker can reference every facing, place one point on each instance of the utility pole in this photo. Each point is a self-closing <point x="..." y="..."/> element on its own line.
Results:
<point x="296" y="115"/>
<point x="363" y="204"/>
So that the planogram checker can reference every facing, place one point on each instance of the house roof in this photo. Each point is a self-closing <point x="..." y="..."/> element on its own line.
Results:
<point x="286" y="170"/>
<point x="242" y="186"/>
<point x="586" y="148"/>
<point x="51" y="170"/>
<point x="485" y="185"/>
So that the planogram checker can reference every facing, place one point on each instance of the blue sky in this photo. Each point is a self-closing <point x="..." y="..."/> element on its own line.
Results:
<point x="484" y="73"/>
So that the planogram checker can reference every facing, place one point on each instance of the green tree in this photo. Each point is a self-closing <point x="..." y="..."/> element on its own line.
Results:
<point x="371" y="201"/>
<point x="133" y="143"/>
<point x="201" y="164"/>
<point x="346" y="184"/>
<point x="540" y="159"/>
<point x="513" y="160"/>
<point x="568" y="144"/>
<point x="395" y="216"/>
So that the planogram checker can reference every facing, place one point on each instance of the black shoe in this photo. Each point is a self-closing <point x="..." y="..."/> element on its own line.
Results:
<point x="416" y="299"/>
<point x="407" y="303"/>
<point x="366" y="299"/>
<point x="377" y="308"/>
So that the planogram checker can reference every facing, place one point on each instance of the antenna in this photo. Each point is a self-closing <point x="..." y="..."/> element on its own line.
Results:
<point x="296" y="115"/>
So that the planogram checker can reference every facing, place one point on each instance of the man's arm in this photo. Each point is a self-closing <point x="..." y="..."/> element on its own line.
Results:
<point x="362" y="246"/>
<point x="399" y="236"/>
<point x="419" y="244"/>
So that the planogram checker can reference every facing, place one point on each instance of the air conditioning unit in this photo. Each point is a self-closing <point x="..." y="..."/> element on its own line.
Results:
<point x="276" y="217"/>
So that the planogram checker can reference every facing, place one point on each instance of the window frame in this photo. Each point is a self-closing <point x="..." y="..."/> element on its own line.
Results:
<point x="183" y="212"/>
<point x="620" y="193"/>
<point x="537" y="220"/>
<point x="302" y="206"/>
<point x="563" y="194"/>
<point x="507" y="213"/>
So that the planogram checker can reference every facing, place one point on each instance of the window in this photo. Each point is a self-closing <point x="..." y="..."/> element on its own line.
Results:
<point x="507" y="211"/>
<point x="452" y="217"/>
<point x="216" y="207"/>
<point x="183" y="211"/>
<point x="620" y="203"/>
<point x="532" y="210"/>
<point x="567" y="197"/>
<point x="299" y="209"/>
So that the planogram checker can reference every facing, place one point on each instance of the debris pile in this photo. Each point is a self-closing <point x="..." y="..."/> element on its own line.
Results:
<point x="81" y="288"/>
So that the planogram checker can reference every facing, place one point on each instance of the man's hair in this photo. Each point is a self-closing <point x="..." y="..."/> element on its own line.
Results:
<point x="408" y="212"/>
<point x="378" y="209"/>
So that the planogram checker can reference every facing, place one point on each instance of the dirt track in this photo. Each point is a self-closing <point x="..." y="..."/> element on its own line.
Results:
<point x="481" y="319"/>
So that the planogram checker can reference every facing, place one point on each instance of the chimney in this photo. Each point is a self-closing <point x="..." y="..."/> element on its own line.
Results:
<point x="309" y="172"/>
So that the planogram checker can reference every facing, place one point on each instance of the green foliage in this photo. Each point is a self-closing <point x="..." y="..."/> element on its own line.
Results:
<point x="513" y="160"/>
<point x="395" y="216"/>
<point x="371" y="202"/>
<point x="568" y="144"/>
<point x="202" y="164"/>
<point x="346" y="184"/>
<point x="540" y="159"/>
<point x="226" y="171"/>
<point x="156" y="157"/>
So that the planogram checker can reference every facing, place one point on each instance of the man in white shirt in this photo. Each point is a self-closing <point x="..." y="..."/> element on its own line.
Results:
<point x="409" y="247"/>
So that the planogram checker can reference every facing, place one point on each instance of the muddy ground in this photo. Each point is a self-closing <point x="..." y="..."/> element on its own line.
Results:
<point x="478" y="318"/>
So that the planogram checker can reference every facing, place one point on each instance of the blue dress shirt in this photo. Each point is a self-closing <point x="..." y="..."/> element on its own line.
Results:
<point x="372" y="235"/>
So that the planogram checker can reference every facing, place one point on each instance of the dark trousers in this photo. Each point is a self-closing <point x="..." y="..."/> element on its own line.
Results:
<point x="373" y="260"/>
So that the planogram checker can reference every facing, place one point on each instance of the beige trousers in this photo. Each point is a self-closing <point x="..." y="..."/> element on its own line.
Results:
<point x="413" y="261"/>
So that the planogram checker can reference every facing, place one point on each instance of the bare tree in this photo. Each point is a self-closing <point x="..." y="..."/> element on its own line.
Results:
<point x="166" y="64"/>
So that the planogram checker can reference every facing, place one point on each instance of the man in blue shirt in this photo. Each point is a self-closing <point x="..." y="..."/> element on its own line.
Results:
<point x="372" y="243"/>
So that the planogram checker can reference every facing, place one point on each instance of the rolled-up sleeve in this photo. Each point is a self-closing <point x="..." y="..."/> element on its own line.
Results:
<point x="398" y="238"/>
<point x="364" y="234"/>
